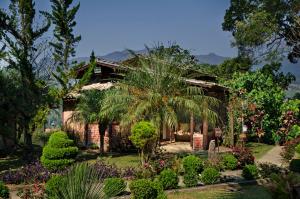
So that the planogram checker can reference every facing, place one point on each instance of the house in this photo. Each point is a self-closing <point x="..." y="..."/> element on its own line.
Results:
<point x="105" y="74"/>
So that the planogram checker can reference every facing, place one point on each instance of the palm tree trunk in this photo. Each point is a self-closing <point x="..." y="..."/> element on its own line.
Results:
<point x="192" y="125"/>
<point x="205" y="133"/>
<point x="101" y="133"/>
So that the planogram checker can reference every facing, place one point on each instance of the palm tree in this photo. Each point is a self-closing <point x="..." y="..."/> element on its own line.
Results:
<point x="156" y="89"/>
<point x="87" y="111"/>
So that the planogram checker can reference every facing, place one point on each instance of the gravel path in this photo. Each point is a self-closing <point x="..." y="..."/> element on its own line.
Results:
<point x="273" y="156"/>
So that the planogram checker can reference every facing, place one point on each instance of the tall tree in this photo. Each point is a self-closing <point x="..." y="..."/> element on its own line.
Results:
<point x="63" y="18"/>
<point x="265" y="26"/>
<point x="19" y="37"/>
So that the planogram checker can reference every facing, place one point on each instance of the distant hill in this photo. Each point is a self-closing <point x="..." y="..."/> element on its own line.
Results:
<point x="118" y="56"/>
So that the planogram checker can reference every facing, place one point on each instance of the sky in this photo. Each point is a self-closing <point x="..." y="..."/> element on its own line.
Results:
<point x="115" y="25"/>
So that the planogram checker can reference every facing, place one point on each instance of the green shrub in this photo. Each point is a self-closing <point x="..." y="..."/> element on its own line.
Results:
<point x="192" y="163"/>
<point x="146" y="189"/>
<point x="250" y="172"/>
<point x="230" y="162"/>
<point x="4" y="191"/>
<point x="143" y="136"/>
<point x="113" y="187"/>
<point x="190" y="179"/>
<point x="59" y="151"/>
<point x="210" y="175"/>
<point x="169" y="179"/>
<point x="53" y="184"/>
<point x="295" y="165"/>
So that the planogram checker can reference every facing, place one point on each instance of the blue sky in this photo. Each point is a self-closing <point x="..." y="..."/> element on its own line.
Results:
<point x="114" y="25"/>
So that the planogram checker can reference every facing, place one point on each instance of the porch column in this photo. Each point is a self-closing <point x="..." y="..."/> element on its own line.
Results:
<point x="205" y="133"/>
<point x="192" y="127"/>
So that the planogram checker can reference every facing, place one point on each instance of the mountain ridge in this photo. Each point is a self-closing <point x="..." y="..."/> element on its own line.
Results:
<point x="210" y="58"/>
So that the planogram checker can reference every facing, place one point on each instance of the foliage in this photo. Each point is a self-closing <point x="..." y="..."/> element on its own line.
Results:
<point x="282" y="185"/>
<point x="192" y="163"/>
<point x="88" y="110"/>
<point x="113" y="187"/>
<point x="146" y="189"/>
<point x="30" y="173"/>
<point x="63" y="18"/>
<point x="231" y="66"/>
<point x="143" y="136"/>
<point x="210" y="176"/>
<point x="289" y="149"/>
<point x="109" y="171"/>
<point x="230" y="161"/>
<point x="250" y="172"/>
<point x="263" y="92"/>
<point x="264" y="25"/>
<point x="53" y="184"/>
<point x="243" y="155"/>
<point x="35" y="191"/>
<point x="215" y="162"/>
<point x="41" y="137"/>
<point x="190" y="179"/>
<point x="154" y="89"/>
<point x="4" y="191"/>
<point x="59" y="151"/>
<point x="295" y="165"/>
<point x="266" y="169"/>
<point x="22" y="46"/>
<point x="81" y="181"/>
<point x="169" y="179"/>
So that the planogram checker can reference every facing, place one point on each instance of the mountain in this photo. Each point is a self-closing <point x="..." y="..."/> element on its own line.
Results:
<point x="118" y="56"/>
<point x="211" y="58"/>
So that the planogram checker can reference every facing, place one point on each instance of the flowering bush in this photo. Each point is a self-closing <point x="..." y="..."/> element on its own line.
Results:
<point x="243" y="155"/>
<point x="109" y="171"/>
<point x="35" y="191"/>
<point x="30" y="173"/>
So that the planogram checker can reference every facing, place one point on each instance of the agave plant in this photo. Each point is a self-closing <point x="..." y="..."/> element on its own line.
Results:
<point x="82" y="181"/>
<point x="155" y="89"/>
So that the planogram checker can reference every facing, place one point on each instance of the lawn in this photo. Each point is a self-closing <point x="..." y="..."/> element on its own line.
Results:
<point x="245" y="192"/>
<point x="259" y="149"/>
<point x="130" y="160"/>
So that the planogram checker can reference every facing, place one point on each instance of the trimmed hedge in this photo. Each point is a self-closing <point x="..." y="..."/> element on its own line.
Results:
<point x="4" y="191"/>
<point x="210" y="176"/>
<point x="169" y="179"/>
<point x="59" y="151"/>
<point x="113" y="187"/>
<point x="146" y="189"/>
<point x="230" y="161"/>
<point x="250" y="172"/>
<point x="192" y="163"/>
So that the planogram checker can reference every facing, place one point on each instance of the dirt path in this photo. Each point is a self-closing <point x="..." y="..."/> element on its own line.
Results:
<point x="273" y="156"/>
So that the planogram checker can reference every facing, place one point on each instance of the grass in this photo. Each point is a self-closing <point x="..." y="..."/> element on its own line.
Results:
<point x="244" y="192"/>
<point x="130" y="160"/>
<point x="259" y="149"/>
